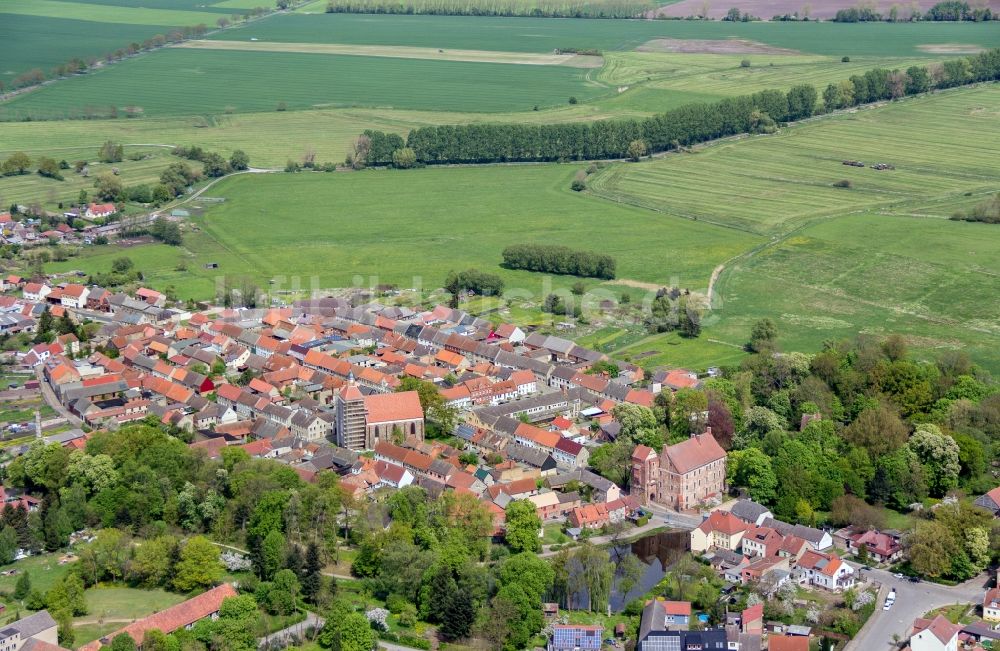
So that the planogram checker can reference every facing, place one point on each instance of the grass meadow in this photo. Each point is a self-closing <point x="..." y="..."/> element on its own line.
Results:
<point x="769" y="184"/>
<point x="393" y="226"/>
<point x="32" y="188"/>
<point x="546" y="34"/>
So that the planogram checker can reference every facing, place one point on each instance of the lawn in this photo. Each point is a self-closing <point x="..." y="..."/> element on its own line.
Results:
<point x="194" y="82"/>
<point x="413" y="227"/>
<point x="44" y="570"/>
<point x="113" y="607"/>
<point x="545" y="34"/>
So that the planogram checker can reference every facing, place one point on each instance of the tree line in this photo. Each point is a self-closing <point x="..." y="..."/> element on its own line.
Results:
<point x="947" y="11"/>
<point x="563" y="260"/>
<point x="539" y="9"/>
<point x="680" y="127"/>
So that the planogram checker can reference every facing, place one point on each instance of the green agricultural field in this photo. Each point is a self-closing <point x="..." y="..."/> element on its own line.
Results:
<point x="768" y="184"/>
<point x="187" y="81"/>
<point x="545" y="34"/>
<point x="393" y="226"/>
<point x="109" y="14"/>
<point x="45" y="42"/>
<point x="211" y="6"/>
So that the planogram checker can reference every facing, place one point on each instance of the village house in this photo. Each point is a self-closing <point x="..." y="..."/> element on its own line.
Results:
<point x="882" y="547"/>
<point x="37" y="632"/>
<point x="991" y="606"/>
<point x="100" y="210"/>
<point x="990" y="501"/>
<point x="720" y="530"/>
<point x="937" y="634"/>
<point x="183" y="615"/>
<point x="824" y="571"/>
<point x="576" y="637"/>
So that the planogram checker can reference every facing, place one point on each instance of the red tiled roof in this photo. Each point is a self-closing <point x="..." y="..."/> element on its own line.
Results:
<point x="677" y="607"/>
<point x="695" y="452"/>
<point x="788" y="643"/>
<point x="641" y="453"/>
<point x="388" y="407"/>
<point x="723" y="522"/>
<point x="940" y="627"/>
<point x="175" y="617"/>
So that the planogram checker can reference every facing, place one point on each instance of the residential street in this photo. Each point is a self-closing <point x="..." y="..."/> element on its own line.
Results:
<point x="912" y="601"/>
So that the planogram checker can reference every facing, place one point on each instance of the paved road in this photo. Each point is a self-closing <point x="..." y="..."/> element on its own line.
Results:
<point x="283" y="636"/>
<point x="50" y="398"/>
<point x="912" y="601"/>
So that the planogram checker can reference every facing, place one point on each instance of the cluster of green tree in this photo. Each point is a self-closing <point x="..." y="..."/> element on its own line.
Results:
<point x="440" y="418"/>
<point x="987" y="211"/>
<point x="953" y="541"/>
<point x="734" y="15"/>
<point x="868" y="423"/>
<point x="550" y="258"/>
<point x="562" y="305"/>
<point x="214" y="165"/>
<point x="49" y="327"/>
<point x="685" y="125"/>
<point x="949" y="10"/>
<point x="541" y="9"/>
<point x="166" y="231"/>
<point x="473" y="281"/>
<point x="674" y="310"/>
<point x="19" y="163"/>
<point x="122" y="272"/>
<point x="111" y="152"/>
<point x="174" y="180"/>
<point x="378" y="149"/>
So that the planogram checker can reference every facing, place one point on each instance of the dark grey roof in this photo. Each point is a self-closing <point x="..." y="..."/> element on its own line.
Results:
<point x="809" y="534"/>
<point x="32" y="625"/>
<point x="748" y="510"/>
<point x="531" y="456"/>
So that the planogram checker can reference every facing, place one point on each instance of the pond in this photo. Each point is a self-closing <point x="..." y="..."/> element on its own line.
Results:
<point x="657" y="552"/>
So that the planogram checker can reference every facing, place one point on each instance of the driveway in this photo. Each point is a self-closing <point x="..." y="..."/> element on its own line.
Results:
<point x="284" y="635"/>
<point x="912" y="601"/>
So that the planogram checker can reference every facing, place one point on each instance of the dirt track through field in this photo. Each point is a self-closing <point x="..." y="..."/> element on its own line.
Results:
<point x="403" y="52"/>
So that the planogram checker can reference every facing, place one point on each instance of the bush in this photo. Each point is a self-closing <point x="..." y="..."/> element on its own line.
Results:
<point x="745" y="63"/>
<point x="572" y="100"/>
<point x="845" y="59"/>
<point x="414" y="641"/>
<point x="577" y="185"/>
<point x="842" y="183"/>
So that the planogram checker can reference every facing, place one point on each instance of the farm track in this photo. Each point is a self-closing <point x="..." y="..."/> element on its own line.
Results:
<point x="401" y="52"/>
